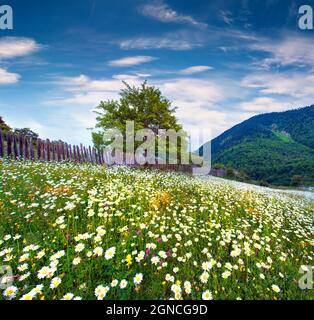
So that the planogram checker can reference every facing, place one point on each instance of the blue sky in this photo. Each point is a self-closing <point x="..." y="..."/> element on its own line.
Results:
<point x="220" y="62"/>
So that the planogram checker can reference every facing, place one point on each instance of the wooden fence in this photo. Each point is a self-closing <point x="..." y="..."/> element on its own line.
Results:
<point x="21" y="147"/>
<point x="24" y="147"/>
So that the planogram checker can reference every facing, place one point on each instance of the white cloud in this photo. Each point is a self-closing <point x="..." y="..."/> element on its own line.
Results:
<point x="278" y="91"/>
<point x="130" y="61"/>
<point x="11" y="47"/>
<point x="168" y="41"/>
<point x="295" y="85"/>
<point x="291" y="50"/>
<point x="263" y="104"/>
<point x="8" y="77"/>
<point x="200" y="103"/>
<point x="195" y="69"/>
<point x="82" y="90"/>
<point x="162" y="12"/>
<point x="126" y="77"/>
<point x="84" y="83"/>
<point x="198" y="91"/>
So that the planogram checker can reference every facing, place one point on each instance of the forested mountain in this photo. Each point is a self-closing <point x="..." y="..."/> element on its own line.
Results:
<point x="270" y="147"/>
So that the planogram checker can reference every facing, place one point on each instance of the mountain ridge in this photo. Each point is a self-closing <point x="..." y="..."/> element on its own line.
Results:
<point x="271" y="147"/>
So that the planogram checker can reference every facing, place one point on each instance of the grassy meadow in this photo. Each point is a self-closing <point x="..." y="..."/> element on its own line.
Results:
<point x="90" y="232"/>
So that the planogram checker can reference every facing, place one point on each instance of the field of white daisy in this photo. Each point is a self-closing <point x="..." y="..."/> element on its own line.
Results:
<point x="72" y="231"/>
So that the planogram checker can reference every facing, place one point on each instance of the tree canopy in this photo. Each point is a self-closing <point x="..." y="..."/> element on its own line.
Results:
<point x="145" y="105"/>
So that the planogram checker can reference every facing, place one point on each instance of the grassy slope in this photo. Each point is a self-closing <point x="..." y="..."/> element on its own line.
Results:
<point x="273" y="160"/>
<point x="271" y="147"/>
<point x="248" y="241"/>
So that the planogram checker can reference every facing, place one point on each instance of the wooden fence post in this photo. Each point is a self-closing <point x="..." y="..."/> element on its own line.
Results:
<point x="58" y="152"/>
<point x="43" y="151"/>
<point x="31" y="146"/>
<point x="48" y="150"/>
<point x="38" y="149"/>
<point x="94" y="156"/>
<point x="21" y="146"/>
<point x="53" y="151"/>
<point x="1" y="144"/>
<point x="16" y="153"/>
<point x="74" y="153"/>
<point x="67" y="152"/>
<point x="71" y="154"/>
<point x="9" y="146"/>
<point x="78" y="154"/>
<point x="82" y="153"/>
<point x="26" y="148"/>
<point x="90" y="154"/>
<point x="63" y="152"/>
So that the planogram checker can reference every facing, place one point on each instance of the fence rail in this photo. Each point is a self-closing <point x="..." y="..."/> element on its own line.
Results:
<point x="20" y="147"/>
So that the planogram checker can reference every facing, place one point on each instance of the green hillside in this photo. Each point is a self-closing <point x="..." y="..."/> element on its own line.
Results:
<point x="271" y="147"/>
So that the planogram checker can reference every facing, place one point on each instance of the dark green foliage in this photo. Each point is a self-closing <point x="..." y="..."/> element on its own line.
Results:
<point x="271" y="148"/>
<point x="296" y="180"/>
<point x="4" y="127"/>
<point x="26" y="132"/>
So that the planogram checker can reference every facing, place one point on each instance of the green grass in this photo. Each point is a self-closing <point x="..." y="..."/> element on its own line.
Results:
<point x="283" y="136"/>
<point x="183" y="235"/>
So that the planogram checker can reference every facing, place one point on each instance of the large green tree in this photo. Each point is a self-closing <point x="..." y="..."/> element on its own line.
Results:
<point x="145" y="105"/>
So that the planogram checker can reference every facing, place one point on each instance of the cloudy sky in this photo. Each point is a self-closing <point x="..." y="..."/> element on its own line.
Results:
<point x="220" y="62"/>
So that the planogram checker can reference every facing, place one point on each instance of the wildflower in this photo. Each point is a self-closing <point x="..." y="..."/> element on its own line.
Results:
<point x="204" y="277"/>
<point x="138" y="278"/>
<point x="206" y="266"/>
<point x="40" y="254"/>
<point x="123" y="284"/>
<point x="10" y="292"/>
<point x="110" y="253"/>
<point x="177" y="296"/>
<point x="176" y="288"/>
<point x="27" y="296"/>
<point x="68" y="296"/>
<point x="187" y="287"/>
<point x="37" y="289"/>
<point x="114" y="283"/>
<point x="128" y="260"/>
<point x="55" y="282"/>
<point x="235" y="252"/>
<point x="207" y="295"/>
<point x="79" y="247"/>
<point x="22" y="267"/>
<point x="226" y="274"/>
<point x="155" y="260"/>
<point x="98" y="251"/>
<point x="101" y="292"/>
<point x="275" y="288"/>
<point x="76" y="261"/>
<point x="162" y="254"/>
<point x="43" y="272"/>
